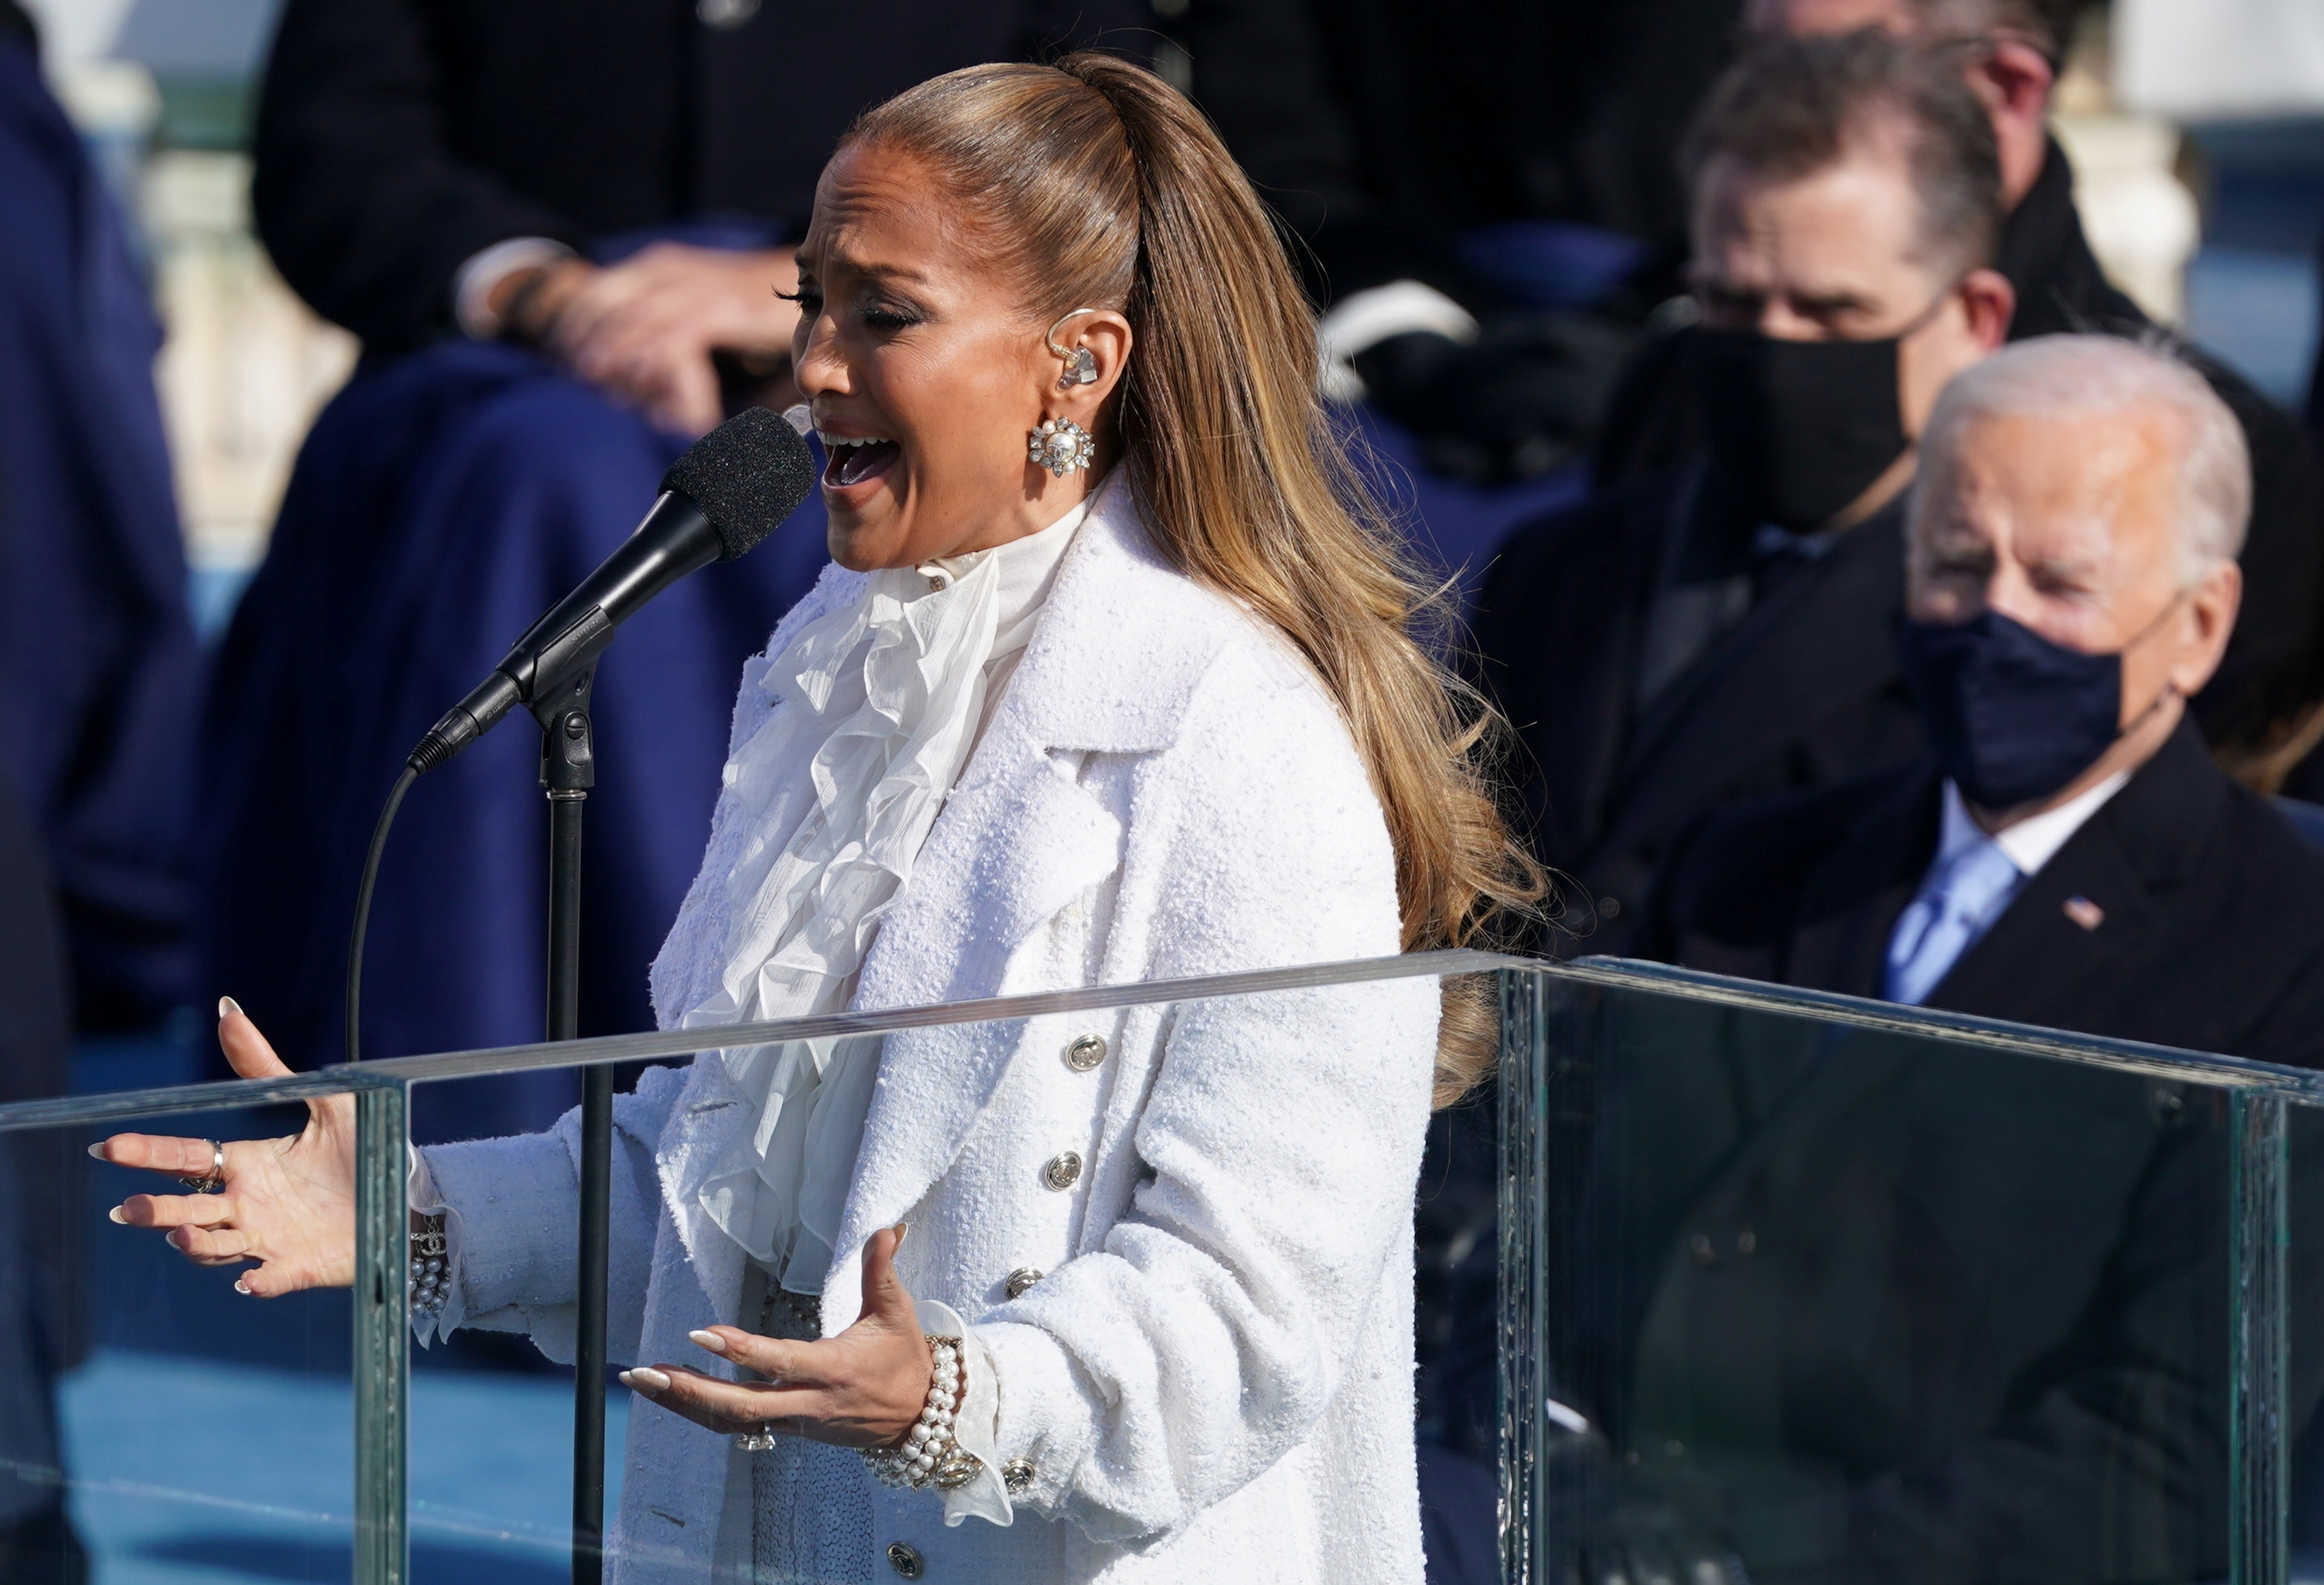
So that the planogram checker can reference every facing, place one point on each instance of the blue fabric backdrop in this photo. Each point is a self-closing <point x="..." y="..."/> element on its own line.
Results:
<point x="442" y="502"/>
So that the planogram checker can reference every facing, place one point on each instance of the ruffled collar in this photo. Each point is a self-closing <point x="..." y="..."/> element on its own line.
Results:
<point x="872" y="710"/>
<point x="1028" y="572"/>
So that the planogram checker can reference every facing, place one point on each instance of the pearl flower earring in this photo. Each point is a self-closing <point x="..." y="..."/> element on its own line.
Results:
<point x="1061" y="446"/>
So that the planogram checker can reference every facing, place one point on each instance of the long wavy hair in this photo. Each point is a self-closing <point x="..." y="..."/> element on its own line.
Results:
<point x="1100" y="186"/>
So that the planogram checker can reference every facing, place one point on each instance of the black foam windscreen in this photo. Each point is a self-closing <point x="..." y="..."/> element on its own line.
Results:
<point x="748" y="474"/>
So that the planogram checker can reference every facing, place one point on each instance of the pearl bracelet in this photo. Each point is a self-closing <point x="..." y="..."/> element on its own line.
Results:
<point x="930" y="1455"/>
<point x="431" y="1282"/>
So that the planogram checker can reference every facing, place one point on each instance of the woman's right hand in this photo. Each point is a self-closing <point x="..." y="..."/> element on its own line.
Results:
<point x="289" y="1204"/>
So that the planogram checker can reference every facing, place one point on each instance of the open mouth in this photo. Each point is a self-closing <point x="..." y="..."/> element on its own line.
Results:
<point x="857" y="460"/>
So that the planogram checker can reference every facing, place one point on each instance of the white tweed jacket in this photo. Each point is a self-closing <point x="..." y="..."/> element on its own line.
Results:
<point x="1212" y="1381"/>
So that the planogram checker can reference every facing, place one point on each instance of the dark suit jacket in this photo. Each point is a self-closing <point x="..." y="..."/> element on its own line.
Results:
<point x="395" y="138"/>
<point x="1382" y="130"/>
<point x="2213" y="936"/>
<point x="2275" y="659"/>
<point x="1803" y="691"/>
<point x="1924" y="1313"/>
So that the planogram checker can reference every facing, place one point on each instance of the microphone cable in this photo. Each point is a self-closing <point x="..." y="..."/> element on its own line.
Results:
<point x="362" y="907"/>
<point x="731" y="489"/>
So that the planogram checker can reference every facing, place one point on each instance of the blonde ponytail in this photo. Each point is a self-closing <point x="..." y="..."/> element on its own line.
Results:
<point x="1108" y="189"/>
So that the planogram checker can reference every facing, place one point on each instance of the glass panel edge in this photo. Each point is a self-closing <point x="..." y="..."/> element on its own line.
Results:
<point x="382" y="1338"/>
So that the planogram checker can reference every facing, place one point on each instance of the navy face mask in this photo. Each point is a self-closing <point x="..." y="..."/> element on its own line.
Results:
<point x="2013" y="716"/>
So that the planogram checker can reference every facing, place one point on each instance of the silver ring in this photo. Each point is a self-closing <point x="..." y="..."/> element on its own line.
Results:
<point x="759" y="1439"/>
<point x="215" y="1183"/>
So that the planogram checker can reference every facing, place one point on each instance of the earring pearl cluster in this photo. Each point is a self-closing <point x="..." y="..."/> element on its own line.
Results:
<point x="1061" y="446"/>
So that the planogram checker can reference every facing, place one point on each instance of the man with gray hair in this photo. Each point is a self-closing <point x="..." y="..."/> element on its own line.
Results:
<point x="1990" y="1299"/>
<point x="2070" y="856"/>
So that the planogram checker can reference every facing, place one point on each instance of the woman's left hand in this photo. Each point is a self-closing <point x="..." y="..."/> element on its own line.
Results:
<point x="863" y="1388"/>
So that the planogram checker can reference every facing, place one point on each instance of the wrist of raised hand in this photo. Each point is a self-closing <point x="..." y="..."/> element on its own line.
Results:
<point x="527" y="304"/>
<point x="929" y="1453"/>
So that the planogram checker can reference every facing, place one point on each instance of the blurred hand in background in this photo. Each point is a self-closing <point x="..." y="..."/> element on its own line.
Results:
<point x="647" y="329"/>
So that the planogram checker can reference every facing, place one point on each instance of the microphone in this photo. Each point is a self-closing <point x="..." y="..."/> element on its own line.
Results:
<point x="722" y="498"/>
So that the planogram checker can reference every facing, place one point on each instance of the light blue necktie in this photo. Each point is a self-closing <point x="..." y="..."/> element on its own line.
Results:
<point x="1956" y="906"/>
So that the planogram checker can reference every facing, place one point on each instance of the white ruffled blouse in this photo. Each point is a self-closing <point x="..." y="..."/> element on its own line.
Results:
<point x="875" y="709"/>
<point x="867" y="719"/>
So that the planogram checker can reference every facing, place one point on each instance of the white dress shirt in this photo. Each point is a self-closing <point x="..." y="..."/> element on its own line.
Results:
<point x="1971" y="882"/>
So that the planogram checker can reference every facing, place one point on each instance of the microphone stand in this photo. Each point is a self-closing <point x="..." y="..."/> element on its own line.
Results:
<point x="568" y="769"/>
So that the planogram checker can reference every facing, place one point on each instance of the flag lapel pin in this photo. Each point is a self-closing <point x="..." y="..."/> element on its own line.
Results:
<point x="2082" y="911"/>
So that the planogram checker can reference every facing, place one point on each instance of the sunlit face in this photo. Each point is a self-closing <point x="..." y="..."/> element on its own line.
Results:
<point x="2065" y="524"/>
<point x="923" y="372"/>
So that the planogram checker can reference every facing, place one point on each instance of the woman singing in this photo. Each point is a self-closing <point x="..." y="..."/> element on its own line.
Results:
<point x="1113" y="682"/>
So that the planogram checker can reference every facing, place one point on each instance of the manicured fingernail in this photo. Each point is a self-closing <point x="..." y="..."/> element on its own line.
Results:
<point x="902" y="1228"/>
<point x="645" y="1376"/>
<point x="229" y="1006"/>
<point x="115" y="1215"/>
<point x="97" y="1150"/>
<point x="707" y="1339"/>
<point x="241" y="1286"/>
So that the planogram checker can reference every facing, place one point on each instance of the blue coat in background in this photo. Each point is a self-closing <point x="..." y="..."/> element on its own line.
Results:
<point x="99" y="676"/>
<point x="443" y="501"/>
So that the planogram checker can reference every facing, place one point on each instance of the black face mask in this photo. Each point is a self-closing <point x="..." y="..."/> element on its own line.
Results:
<point x="2013" y="716"/>
<point x="1800" y="428"/>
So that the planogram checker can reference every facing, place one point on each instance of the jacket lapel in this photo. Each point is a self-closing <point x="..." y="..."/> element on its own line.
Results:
<point x="1852" y="901"/>
<point x="1826" y="638"/>
<point x="1581" y="695"/>
<point x="694" y="1142"/>
<point x="2038" y="965"/>
<point x="1119" y="649"/>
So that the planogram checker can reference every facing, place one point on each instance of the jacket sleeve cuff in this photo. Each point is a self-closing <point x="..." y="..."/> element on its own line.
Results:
<point x="1042" y="1418"/>
<point x="426" y="1200"/>
<point x="514" y="1203"/>
<point x="472" y="287"/>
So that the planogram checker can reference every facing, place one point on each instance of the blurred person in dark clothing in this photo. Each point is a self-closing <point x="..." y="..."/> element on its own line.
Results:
<point x="40" y="1213"/>
<point x="1382" y="132"/>
<point x="1480" y="190"/>
<point x="99" y="676"/>
<point x="99" y="684"/>
<point x="2071" y="858"/>
<point x="97" y="661"/>
<point x="2259" y="714"/>
<point x="1725" y="629"/>
<point x="424" y="168"/>
<point x="559" y="229"/>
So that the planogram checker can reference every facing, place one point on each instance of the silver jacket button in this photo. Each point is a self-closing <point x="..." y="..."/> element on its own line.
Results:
<point x="1064" y="1170"/>
<point x="905" y="1561"/>
<point x="1017" y="1475"/>
<point x="1085" y="1053"/>
<point x="1017" y="1281"/>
